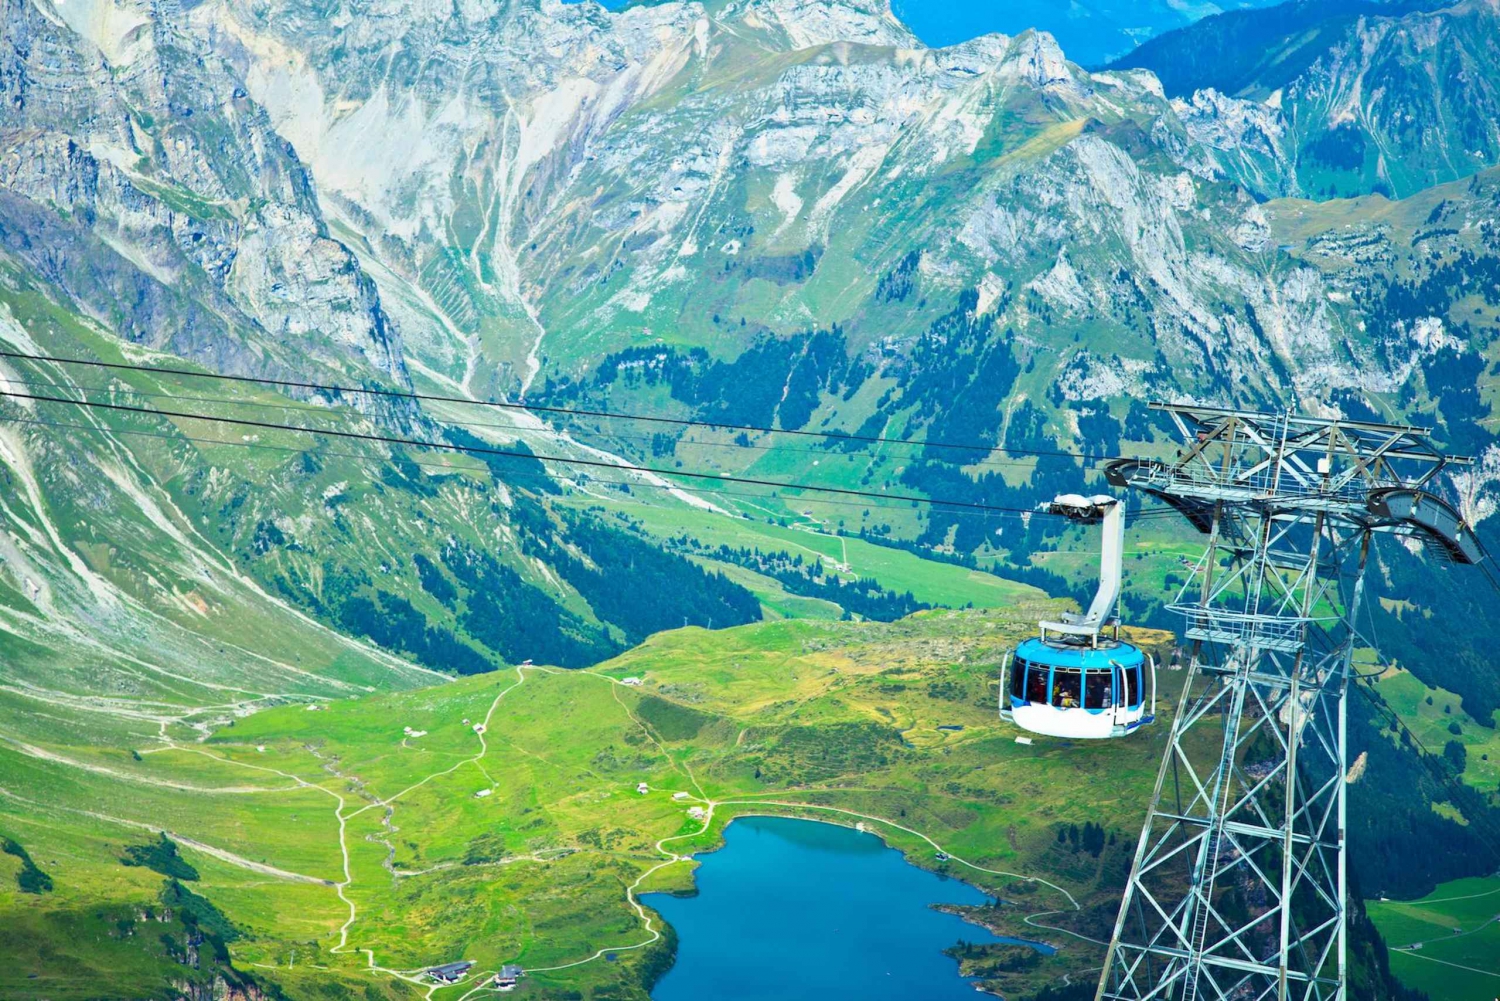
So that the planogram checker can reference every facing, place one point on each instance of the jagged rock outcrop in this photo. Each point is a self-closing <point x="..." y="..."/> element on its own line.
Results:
<point x="1248" y="140"/>
<point x="217" y="989"/>
<point x="139" y="178"/>
<point x="1387" y="98"/>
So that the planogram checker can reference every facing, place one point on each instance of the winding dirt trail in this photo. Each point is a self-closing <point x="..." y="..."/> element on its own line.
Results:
<point x="479" y="983"/>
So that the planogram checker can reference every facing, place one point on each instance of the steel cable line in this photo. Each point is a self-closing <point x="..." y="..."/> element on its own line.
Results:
<point x="510" y="453"/>
<point x="995" y="567"/>
<point x="444" y="467"/>
<point x="1155" y="514"/>
<point x="1489" y="574"/>
<point x="536" y="408"/>
<point x="312" y="408"/>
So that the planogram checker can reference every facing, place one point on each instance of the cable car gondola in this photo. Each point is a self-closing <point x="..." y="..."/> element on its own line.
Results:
<point x="1073" y="680"/>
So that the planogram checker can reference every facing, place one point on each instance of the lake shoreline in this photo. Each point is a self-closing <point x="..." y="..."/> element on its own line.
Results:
<point x="962" y="911"/>
<point x="826" y="903"/>
<point x="862" y="828"/>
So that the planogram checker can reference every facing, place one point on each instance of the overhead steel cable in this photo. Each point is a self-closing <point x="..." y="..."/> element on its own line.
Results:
<point x="452" y="468"/>
<point x="511" y="453"/>
<point x="1489" y="574"/>
<point x="323" y="410"/>
<point x="541" y="408"/>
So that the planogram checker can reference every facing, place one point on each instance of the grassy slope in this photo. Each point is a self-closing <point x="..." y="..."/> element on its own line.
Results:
<point x="786" y="717"/>
<point x="1458" y="928"/>
<point x="930" y="581"/>
<point x="1459" y="922"/>
<point x="1405" y="694"/>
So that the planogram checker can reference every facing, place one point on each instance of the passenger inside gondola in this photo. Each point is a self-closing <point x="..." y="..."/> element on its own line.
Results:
<point x="1097" y="690"/>
<point x="1066" y="684"/>
<point x="1036" y="683"/>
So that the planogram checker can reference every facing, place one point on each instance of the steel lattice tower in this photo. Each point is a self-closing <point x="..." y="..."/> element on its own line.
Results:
<point x="1238" y="888"/>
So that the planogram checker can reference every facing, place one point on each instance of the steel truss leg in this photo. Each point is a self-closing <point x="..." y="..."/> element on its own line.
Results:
<point x="1238" y="886"/>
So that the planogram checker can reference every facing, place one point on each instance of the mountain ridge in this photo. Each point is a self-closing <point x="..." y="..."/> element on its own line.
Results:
<point x="1391" y="97"/>
<point x="125" y="162"/>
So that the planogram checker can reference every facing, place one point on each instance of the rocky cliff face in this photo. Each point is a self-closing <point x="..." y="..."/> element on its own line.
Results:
<point x="539" y="184"/>
<point x="1400" y="103"/>
<point x="141" y="180"/>
<point x="1353" y="97"/>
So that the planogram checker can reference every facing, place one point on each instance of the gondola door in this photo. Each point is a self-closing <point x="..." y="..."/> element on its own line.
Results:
<point x="1122" y="693"/>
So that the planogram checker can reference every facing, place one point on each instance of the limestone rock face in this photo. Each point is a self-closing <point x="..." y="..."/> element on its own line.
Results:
<point x="533" y="178"/>
<point x="1387" y="98"/>
<point x="140" y="177"/>
<point x="507" y="193"/>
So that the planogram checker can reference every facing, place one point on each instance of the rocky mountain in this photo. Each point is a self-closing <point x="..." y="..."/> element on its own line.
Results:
<point x="712" y="176"/>
<point x="793" y="214"/>
<point x="1231" y="51"/>
<point x="141" y="181"/>
<point x="1357" y="97"/>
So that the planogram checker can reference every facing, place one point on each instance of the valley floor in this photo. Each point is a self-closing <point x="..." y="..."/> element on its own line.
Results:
<point x="498" y="818"/>
<point x="349" y="843"/>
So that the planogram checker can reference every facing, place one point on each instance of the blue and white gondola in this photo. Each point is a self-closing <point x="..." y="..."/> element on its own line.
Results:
<point x="1072" y="680"/>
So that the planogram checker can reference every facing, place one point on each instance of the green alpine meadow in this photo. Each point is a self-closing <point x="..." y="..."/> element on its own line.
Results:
<point x="456" y="458"/>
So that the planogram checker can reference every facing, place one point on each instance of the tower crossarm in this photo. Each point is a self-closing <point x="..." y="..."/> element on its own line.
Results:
<point x="1283" y="462"/>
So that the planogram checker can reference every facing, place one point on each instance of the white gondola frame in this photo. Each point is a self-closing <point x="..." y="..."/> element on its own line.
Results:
<point x="1080" y="722"/>
<point x="1078" y="634"/>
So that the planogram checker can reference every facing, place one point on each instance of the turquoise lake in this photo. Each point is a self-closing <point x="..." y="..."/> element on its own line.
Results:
<point x="793" y="909"/>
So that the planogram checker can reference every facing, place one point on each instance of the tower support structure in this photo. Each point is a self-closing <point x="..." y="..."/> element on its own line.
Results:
<point x="1239" y="881"/>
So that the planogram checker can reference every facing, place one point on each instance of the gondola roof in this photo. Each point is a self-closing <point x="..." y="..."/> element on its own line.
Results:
<point x="1108" y="653"/>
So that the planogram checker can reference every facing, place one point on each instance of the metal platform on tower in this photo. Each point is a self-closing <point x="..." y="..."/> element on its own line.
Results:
<point x="1238" y="886"/>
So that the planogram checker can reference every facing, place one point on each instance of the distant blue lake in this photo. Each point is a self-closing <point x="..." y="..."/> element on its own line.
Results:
<point x="792" y="909"/>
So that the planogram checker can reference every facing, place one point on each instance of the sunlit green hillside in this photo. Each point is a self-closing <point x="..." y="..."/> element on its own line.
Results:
<point x="1447" y="942"/>
<point x="498" y="818"/>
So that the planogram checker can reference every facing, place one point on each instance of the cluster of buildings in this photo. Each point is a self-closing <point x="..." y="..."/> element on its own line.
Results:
<point x="451" y="973"/>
